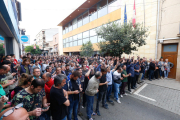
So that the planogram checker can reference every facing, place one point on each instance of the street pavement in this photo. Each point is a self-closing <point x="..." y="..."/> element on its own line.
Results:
<point x="132" y="109"/>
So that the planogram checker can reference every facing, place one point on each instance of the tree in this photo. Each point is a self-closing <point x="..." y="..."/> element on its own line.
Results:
<point x="2" y="51"/>
<point x="119" y="39"/>
<point x="32" y="50"/>
<point x="87" y="49"/>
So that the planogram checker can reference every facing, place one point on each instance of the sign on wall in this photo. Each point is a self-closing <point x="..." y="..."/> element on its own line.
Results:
<point x="1" y="39"/>
<point x="25" y="39"/>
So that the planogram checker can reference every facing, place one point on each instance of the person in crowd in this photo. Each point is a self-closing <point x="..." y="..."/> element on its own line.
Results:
<point x="130" y="70"/>
<point x="68" y="71"/>
<point x="36" y="72"/>
<point x="24" y="82"/>
<point x="137" y="70"/>
<point x="13" y="66"/>
<point x="49" y="69"/>
<point x="58" y="71"/>
<point x="142" y="67"/>
<point x="29" y="57"/>
<point x="117" y="83"/>
<point x="63" y="70"/>
<point x="59" y="98"/>
<point x="14" y="59"/>
<point x="20" y="59"/>
<point x="161" y="68"/>
<point x="24" y="67"/>
<point x="45" y="65"/>
<point x="102" y="91"/>
<point x="156" y="72"/>
<point x="109" y="79"/>
<point x="52" y="67"/>
<point x="125" y="80"/>
<point x="90" y="92"/>
<point x="73" y="88"/>
<point x="33" y="98"/>
<point x="37" y="65"/>
<point x="19" y="113"/>
<point x="167" y="67"/>
<point x="152" y="68"/>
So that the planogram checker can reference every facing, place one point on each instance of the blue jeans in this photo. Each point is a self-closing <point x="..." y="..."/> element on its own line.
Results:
<point x="73" y="108"/>
<point x="116" y="90"/>
<point x="89" y="108"/>
<point x="64" y="118"/>
<point x="109" y="91"/>
<point x="143" y="74"/>
<point x="166" y="73"/>
<point x="44" y="116"/>
<point x="160" y="72"/>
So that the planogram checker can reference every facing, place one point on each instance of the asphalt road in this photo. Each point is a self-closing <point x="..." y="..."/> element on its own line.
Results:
<point x="132" y="109"/>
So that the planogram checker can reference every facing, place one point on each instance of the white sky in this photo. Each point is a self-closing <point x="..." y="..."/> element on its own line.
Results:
<point x="44" y="14"/>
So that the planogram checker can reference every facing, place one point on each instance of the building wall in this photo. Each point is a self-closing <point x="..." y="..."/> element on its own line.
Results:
<point x="169" y="27"/>
<point x="113" y="16"/>
<point x="150" y="10"/>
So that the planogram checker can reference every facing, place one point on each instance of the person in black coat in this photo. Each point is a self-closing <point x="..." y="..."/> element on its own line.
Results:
<point x="151" y="70"/>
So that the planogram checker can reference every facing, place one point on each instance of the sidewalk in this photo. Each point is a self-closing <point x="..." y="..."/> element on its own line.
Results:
<point x="168" y="83"/>
<point x="163" y="93"/>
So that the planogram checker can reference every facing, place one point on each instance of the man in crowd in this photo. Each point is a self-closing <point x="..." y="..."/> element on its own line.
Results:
<point x="117" y="83"/>
<point x="73" y="87"/>
<point x="102" y="91"/>
<point x="151" y="70"/>
<point x="44" y="66"/>
<point x="59" y="98"/>
<point x="90" y="92"/>
<point x="68" y="71"/>
<point x="36" y="72"/>
<point x="49" y="69"/>
<point x="33" y="98"/>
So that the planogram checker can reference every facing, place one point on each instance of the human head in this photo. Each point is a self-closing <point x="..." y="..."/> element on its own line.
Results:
<point x="18" y="114"/>
<point x="60" y="80"/>
<point x="6" y="62"/>
<point x="58" y="70"/>
<point x="63" y="68"/>
<point x="98" y="75"/>
<point x="166" y="60"/>
<point x="161" y="59"/>
<point x="104" y="70"/>
<point x="80" y="71"/>
<point x="84" y="66"/>
<point x="12" y="56"/>
<point x="119" y="70"/>
<point x="26" y="61"/>
<point x="36" y="62"/>
<point x="75" y="75"/>
<point x="36" y="72"/>
<point x="124" y="67"/>
<point x="3" y="69"/>
<point x="25" y="79"/>
<point x="67" y="67"/>
<point x="29" y="55"/>
<point x="49" y="69"/>
<point x="8" y="69"/>
<point x="46" y="77"/>
<point x="37" y="85"/>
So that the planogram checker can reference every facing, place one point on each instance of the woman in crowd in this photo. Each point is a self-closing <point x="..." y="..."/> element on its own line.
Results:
<point x="167" y="67"/>
<point x="24" y="67"/>
<point x="161" y="68"/>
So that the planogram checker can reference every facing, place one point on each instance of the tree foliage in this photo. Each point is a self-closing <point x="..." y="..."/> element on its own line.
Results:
<point x="2" y="50"/>
<point x="32" y="50"/>
<point x="119" y="39"/>
<point x="87" y="49"/>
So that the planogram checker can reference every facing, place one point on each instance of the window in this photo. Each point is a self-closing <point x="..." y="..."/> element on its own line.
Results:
<point x="75" y="43"/>
<point x="113" y="5"/>
<point x="70" y="44"/>
<point x="67" y="30"/>
<point x="75" y="37"/>
<point x="70" y="26"/>
<point x="93" y="39"/>
<point x="93" y="13"/>
<point x="80" y="21"/>
<point x="102" y="12"/>
<point x="64" y="30"/>
<point x="170" y="48"/>
<point x="86" y="34"/>
<point x="74" y="22"/>
<point x="67" y="44"/>
<point x="80" y="42"/>
<point x="85" y="40"/>
<point x="70" y="39"/>
<point x="85" y="18"/>
<point x="64" y="45"/>
<point x="93" y="32"/>
<point x="80" y="36"/>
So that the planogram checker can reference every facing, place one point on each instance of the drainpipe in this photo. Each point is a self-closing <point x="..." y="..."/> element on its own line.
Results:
<point x="157" y="29"/>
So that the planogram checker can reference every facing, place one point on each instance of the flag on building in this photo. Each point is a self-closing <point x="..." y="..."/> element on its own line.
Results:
<point x="134" y="15"/>
<point x="125" y="15"/>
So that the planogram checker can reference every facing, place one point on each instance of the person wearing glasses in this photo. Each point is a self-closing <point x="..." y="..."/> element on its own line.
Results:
<point x="33" y="98"/>
<point x="36" y="72"/>
<point x="15" y="113"/>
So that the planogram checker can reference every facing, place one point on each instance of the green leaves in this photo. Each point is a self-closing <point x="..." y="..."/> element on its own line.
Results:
<point x="2" y="51"/>
<point x="119" y="39"/>
<point x="32" y="50"/>
<point x="87" y="49"/>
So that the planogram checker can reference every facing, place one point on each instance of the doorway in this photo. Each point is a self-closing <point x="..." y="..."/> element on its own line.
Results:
<point x="170" y="52"/>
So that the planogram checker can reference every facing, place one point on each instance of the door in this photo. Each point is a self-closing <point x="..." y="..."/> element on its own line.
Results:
<point x="169" y="51"/>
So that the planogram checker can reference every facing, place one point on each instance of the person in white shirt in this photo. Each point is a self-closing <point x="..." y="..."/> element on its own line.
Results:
<point x="44" y="66"/>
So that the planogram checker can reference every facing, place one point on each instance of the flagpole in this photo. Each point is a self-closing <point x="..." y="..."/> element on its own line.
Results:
<point x="144" y="12"/>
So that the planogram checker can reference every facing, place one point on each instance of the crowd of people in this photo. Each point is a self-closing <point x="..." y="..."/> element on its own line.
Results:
<point x="58" y="87"/>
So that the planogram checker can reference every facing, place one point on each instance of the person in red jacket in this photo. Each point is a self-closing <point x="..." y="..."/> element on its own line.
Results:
<point x="49" y="82"/>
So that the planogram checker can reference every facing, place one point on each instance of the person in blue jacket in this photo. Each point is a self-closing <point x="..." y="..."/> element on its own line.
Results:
<point x="136" y="73"/>
<point x="130" y="69"/>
